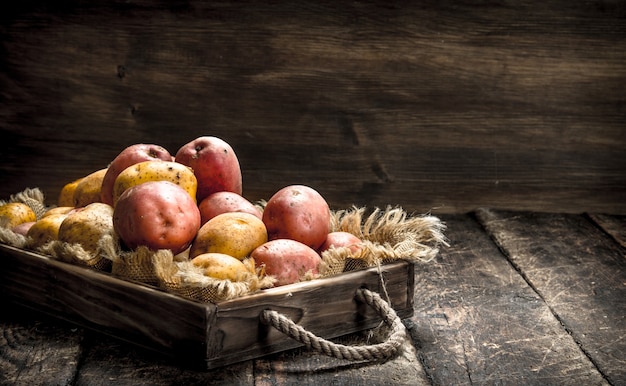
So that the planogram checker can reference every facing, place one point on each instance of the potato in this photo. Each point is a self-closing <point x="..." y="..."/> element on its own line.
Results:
<point x="214" y="163"/>
<point x="87" y="225"/>
<point x="234" y="233"/>
<point x="87" y="191"/>
<point x="297" y="212"/>
<point x="129" y="156"/>
<point x="46" y="229"/>
<point x="16" y="213"/>
<point x="158" y="215"/>
<point x="224" y="202"/>
<point x="23" y="228"/>
<point x="221" y="266"/>
<point x="58" y="210"/>
<point x="146" y="171"/>
<point x="286" y="260"/>
<point x="66" y="196"/>
<point x="340" y="239"/>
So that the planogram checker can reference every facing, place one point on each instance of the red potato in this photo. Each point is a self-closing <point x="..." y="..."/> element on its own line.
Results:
<point x="131" y="155"/>
<point x="214" y="163"/>
<point x="297" y="212"/>
<point x="286" y="260"/>
<point x="156" y="214"/>
<point x="340" y="239"/>
<point x="23" y="228"/>
<point x="225" y="202"/>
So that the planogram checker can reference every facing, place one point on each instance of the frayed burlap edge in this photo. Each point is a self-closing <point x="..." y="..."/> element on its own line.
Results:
<point x="162" y="269"/>
<point x="137" y="265"/>
<point x="187" y="280"/>
<point x="33" y="197"/>
<point x="76" y="254"/>
<point x="7" y="236"/>
<point x="387" y="235"/>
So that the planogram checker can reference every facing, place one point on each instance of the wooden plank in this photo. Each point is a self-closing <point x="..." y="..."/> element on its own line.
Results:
<point x="579" y="272"/>
<point x="613" y="225"/>
<point x="368" y="102"/>
<point x="137" y="313"/>
<point x="111" y="362"/>
<point x="303" y="368"/>
<point x="203" y="335"/>
<point x="104" y="360"/>
<point x="325" y="307"/>
<point x="35" y="351"/>
<point x="477" y="321"/>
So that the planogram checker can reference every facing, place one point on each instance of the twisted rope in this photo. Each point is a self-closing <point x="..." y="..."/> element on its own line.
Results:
<point x="379" y="351"/>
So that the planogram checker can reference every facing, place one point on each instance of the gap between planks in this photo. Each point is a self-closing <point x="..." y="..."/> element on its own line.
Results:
<point x="577" y="266"/>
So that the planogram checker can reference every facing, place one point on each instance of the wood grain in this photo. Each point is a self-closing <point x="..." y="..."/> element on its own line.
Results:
<point x="441" y="106"/>
<point x="477" y="321"/>
<point x="325" y="307"/>
<point x="306" y="368"/>
<point x="36" y="351"/>
<point x="124" y="310"/>
<point x="200" y="335"/>
<point x="578" y="271"/>
<point x="612" y="225"/>
<point x="481" y="317"/>
<point x="108" y="362"/>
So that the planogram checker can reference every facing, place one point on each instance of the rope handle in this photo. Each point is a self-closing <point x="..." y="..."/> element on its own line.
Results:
<point x="379" y="351"/>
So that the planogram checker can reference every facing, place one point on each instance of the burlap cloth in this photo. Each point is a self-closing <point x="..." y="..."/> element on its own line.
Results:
<point x="388" y="234"/>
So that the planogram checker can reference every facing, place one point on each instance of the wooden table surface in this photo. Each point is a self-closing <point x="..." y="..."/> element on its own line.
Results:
<point x="517" y="298"/>
<point x="439" y="106"/>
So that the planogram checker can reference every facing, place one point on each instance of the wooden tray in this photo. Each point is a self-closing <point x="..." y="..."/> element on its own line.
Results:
<point x="203" y="335"/>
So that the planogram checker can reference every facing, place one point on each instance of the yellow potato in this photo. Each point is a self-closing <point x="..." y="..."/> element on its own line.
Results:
<point x="45" y="229"/>
<point x="221" y="266"/>
<point x="58" y="210"/>
<point x="66" y="196"/>
<point x="88" y="189"/>
<point x="16" y="213"/>
<point x="234" y="233"/>
<point x="87" y="225"/>
<point x="145" y="171"/>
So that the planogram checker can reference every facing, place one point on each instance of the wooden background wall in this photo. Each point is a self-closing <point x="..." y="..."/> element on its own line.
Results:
<point x="439" y="106"/>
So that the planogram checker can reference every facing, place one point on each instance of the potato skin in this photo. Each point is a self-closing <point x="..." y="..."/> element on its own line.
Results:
<point x="298" y="212"/>
<point x="214" y="163"/>
<point x="87" y="191"/>
<point x="339" y="239"/>
<point x="58" y="210"/>
<point x="22" y="229"/>
<point x="286" y="260"/>
<point x="146" y="171"/>
<point x="234" y="233"/>
<point x="225" y="202"/>
<point x="129" y="156"/>
<point x="16" y="213"/>
<point x="66" y="195"/>
<point x="87" y="225"/>
<point x="221" y="266"/>
<point x="46" y="229"/>
<point x="157" y="214"/>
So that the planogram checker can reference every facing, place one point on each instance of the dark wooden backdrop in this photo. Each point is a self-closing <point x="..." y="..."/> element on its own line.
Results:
<point x="439" y="106"/>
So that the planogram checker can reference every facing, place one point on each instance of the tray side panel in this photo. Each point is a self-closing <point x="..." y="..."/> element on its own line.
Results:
<point x="199" y="335"/>
<point x="128" y="311"/>
<point x="326" y="307"/>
